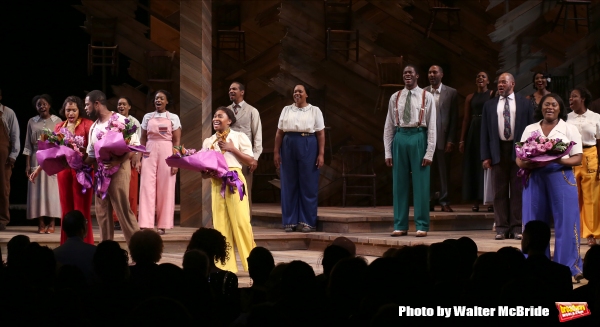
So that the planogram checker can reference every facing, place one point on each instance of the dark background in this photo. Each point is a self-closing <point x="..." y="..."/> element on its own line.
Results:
<point x="43" y="50"/>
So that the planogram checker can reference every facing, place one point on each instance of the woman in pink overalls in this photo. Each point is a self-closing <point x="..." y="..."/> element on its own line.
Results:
<point x="161" y="131"/>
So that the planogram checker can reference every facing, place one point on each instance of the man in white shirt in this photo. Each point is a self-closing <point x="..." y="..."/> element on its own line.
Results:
<point x="9" y="150"/>
<point x="409" y="138"/>
<point x="118" y="191"/>
<point x="503" y="121"/>
<point x="247" y="122"/>
<point x="446" y="118"/>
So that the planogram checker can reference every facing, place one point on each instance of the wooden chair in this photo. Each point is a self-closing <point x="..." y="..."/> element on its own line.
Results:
<point x="102" y="50"/>
<point x="564" y="4"/>
<point x="263" y="175"/>
<point x="357" y="163"/>
<point x="318" y="98"/>
<point x="448" y="7"/>
<point x="159" y="68"/>
<point x="339" y="35"/>
<point x="228" y="19"/>
<point x="389" y="76"/>
<point x="563" y="84"/>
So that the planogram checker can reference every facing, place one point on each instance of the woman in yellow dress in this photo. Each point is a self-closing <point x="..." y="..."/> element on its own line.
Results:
<point x="231" y="216"/>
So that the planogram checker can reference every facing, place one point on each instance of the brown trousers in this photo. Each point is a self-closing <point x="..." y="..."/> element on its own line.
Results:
<point x="5" y="173"/>
<point x="117" y="199"/>
<point x="508" y="192"/>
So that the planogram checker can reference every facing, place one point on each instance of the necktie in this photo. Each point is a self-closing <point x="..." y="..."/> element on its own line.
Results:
<point x="406" y="114"/>
<point x="235" y="108"/>
<point x="506" y="115"/>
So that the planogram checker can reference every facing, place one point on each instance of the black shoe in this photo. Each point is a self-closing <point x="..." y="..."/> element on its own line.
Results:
<point x="475" y="208"/>
<point x="431" y="207"/>
<point x="490" y="208"/>
<point x="518" y="236"/>
<point x="500" y="236"/>
<point x="117" y="225"/>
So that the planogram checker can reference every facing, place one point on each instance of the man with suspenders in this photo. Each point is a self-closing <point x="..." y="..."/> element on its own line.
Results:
<point x="409" y="138"/>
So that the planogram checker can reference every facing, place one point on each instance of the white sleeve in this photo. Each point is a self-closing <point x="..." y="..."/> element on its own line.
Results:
<point x="319" y="122"/>
<point x="145" y="121"/>
<point x="175" y="121"/>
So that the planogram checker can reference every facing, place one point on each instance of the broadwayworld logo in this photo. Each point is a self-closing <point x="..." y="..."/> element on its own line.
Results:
<point x="572" y="310"/>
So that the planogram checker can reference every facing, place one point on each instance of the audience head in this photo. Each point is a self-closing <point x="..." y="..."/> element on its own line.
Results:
<point x="550" y="101"/>
<point x="346" y="243"/>
<point x="196" y="263"/>
<point x="536" y="237"/>
<point x="331" y="256"/>
<point x="441" y="261"/>
<point x="260" y="265"/>
<point x="298" y="278"/>
<point x="146" y="246"/>
<point x="74" y="224"/>
<point x="591" y="264"/>
<point x="111" y="262"/>
<point x="541" y="81"/>
<point x="515" y="259"/>
<point x="16" y="249"/>
<point x="213" y="243"/>
<point x="40" y="264"/>
<point x="467" y="254"/>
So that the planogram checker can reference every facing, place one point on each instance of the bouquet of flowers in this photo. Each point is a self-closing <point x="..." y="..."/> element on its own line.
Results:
<point x="538" y="148"/>
<point x="114" y="142"/>
<point x="61" y="150"/>
<point x="207" y="160"/>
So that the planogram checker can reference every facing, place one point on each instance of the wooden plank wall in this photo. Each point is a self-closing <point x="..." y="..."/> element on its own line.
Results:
<point x="196" y="103"/>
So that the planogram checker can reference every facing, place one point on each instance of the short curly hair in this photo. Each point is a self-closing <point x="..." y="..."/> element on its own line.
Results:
<point x="213" y="243"/>
<point x="146" y="246"/>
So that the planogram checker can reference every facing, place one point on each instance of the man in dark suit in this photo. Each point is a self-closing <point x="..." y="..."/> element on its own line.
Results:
<point x="446" y="105"/>
<point x="75" y="251"/>
<point x="502" y="123"/>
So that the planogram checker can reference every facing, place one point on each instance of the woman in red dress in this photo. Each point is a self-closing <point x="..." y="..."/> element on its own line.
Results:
<point x="71" y="195"/>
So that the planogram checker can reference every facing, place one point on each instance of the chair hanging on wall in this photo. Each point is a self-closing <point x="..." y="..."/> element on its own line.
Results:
<point x="441" y="6"/>
<point x="389" y="77"/>
<point x="339" y="35"/>
<point x="357" y="165"/>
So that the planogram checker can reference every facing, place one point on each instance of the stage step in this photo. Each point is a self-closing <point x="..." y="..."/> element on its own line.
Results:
<point x="375" y="220"/>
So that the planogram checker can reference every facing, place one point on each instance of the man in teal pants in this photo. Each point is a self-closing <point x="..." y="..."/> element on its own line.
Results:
<point x="409" y="147"/>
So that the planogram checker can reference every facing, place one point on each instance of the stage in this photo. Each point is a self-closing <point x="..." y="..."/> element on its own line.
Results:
<point x="369" y="228"/>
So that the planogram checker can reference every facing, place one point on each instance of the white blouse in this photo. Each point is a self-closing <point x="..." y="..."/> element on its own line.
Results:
<point x="562" y="130"/>
<point x="175" y="122"/>
<point x="307" y="119"/>
<point x="240" y="141"/>
<point x="588" y="125"/>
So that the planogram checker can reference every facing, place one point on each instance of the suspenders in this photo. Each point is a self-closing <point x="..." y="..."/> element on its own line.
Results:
<point x="421" y="111"/>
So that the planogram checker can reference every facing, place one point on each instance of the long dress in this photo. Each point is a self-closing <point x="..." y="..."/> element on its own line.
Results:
<point x="472" y="169"/>
<point x="42" y="197"/>
<point x="71" y="196"/>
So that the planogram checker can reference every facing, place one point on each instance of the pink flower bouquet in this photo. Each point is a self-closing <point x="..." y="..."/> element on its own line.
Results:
<point x="63" y="150"/>
<point x="538" y="148"/>
<point x="113" y="142"/>
<point x="207" y="160"/>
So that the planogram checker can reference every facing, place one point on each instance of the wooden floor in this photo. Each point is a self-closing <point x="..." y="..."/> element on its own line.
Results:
<point x="306" y="246"/>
